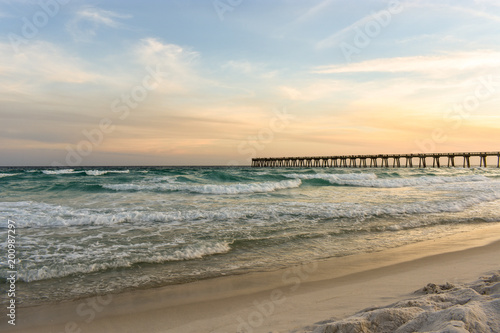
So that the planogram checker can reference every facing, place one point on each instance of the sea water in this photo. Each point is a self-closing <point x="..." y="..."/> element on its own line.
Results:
<point x="91" y="231"/>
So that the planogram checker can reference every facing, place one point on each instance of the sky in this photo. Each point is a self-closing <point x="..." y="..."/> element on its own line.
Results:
<point x="218" y="82"/>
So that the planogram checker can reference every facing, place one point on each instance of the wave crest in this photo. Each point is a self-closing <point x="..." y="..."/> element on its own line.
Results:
<point x="101" y="260"/>
<point x="60" y="172"/>
<point x="2" y="175"/>
<point x="103" y="172"/>
<point x="371" y="180"/>
<point x="210" y="188"/>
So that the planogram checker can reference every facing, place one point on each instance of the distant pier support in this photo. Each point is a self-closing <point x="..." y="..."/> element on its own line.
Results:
<point x="451" y="161"/>
<point x="384" y="161"/>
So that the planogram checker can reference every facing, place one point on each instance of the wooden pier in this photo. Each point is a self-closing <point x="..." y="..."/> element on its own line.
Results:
<point x="374" y="161"/>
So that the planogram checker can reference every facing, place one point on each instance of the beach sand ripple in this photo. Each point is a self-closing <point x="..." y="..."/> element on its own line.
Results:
<point x="447" y="308"/>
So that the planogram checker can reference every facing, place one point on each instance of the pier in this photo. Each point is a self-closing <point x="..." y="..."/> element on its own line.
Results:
<point x="374" y="161"/>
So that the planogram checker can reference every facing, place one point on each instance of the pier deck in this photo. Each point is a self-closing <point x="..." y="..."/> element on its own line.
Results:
<point x="374" y="161"/>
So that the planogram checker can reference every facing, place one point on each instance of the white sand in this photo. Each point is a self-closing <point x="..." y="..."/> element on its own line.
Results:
<point x="446" y="308"/>
<point x="291" y="299"/>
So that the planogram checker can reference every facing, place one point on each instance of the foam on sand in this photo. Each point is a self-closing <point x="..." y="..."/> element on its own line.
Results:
<point x="439" y="308"/>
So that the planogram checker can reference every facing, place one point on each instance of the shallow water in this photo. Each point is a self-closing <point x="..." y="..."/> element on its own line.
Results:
<point x="82" y="232"/>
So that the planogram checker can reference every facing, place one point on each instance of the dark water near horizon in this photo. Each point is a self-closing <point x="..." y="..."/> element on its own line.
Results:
<point x="88" y="231"/>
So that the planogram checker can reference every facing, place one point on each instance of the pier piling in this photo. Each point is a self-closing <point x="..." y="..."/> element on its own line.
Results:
<point x="360" y="161"/>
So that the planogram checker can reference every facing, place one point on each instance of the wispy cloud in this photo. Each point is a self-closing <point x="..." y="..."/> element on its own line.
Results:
<point x="448" y="10"/>
<point x="313" y="91"/>
<point x="43" y="62"/>
<point x="153" y="50"/>
<point x="474" y="12"/>
<point x="488" y="2"/>
<point x="46" y="74"/>
<point x="176" y="64"/>
<point x="434" y="65"/>
<point x="436" y="38"/>
<point x="104" y="17"/>
<point x="179" y="66"/>
<point x="250" y="69"/>
<point x="240" y="66"/>
<point x="307" y="14"/>
<point x="313" y="11"/>
<point x="337" y="37"/>
<point x="88" y="20"/>
<point x="216" y="93"/>
<point x="454" y="8"/>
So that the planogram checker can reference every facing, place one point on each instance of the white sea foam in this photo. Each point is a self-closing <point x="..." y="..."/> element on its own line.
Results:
<point x="76" y="260"/>
<point x="335" y="177"/>
<point x="36" y="214"/>
<point x="193" y="252"/>
<point x="168" y="179"/>
<point x="417" y="181"/>
<point x="371" y="180"/>
<point x="211" y="188"/>
<point x="95" y="172"/>
<point x="88" y="172"/>
<point x="2" y="175"/>
<point x="60" y="172"/>
<point x="160" y="220"/>
<point x="103" y="172"/>
<point x="477" y="186"/>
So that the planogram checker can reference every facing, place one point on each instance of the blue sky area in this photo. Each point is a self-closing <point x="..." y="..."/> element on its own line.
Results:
<point x="219" y="82"/>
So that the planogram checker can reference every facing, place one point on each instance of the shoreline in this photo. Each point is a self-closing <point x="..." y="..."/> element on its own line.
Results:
<point x="277" y="301"/>
<point x="438" y="234"/>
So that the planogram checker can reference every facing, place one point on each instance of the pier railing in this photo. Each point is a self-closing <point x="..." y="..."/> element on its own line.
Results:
<point x="374" y="161"/>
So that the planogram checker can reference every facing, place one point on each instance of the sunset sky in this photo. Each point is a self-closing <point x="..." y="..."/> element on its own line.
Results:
<point x="208" y="82"/>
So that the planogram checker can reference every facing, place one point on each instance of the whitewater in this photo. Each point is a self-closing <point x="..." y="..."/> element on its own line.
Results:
<point x="92" y="231"/>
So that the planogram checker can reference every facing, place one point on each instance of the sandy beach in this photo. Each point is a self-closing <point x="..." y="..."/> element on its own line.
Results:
<point x="232" y="166"/>
<point x="300" y="299"/>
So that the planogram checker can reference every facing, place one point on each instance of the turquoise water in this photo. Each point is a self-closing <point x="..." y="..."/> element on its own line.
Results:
<point x="84" y="231"/>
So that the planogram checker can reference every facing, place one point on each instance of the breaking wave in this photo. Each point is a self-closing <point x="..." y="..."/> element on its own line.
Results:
<point x="210" y="188"/>
<point x="79" y="264"/>
<point x="371" y="180"/>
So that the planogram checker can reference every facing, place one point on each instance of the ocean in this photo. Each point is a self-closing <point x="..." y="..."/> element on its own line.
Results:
<point x="91" y="231"/>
